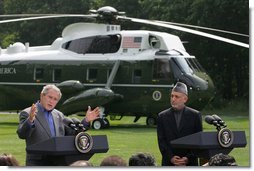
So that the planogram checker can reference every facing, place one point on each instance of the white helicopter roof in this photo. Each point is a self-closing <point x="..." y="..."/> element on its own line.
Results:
<point x="79" y="30"/>
<point x="145" y="51"/>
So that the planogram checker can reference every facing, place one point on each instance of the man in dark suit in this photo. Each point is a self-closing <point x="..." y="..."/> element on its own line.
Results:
<point x="176" y="122"/>
<point x="42" y="121"/>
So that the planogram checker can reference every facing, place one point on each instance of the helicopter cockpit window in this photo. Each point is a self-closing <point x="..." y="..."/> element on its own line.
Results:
<point x="161" y="69"/>
<point x="95" y="44"/>
<point x="183" y="65"/>
<point x="195" y="65"/>
<point x="188" y="65"/>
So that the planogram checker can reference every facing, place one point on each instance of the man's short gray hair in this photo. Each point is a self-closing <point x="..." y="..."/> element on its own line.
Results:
<point x="48" y="87"/>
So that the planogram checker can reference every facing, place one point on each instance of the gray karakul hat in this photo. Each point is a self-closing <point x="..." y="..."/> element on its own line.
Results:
<point x="180" y="88"/>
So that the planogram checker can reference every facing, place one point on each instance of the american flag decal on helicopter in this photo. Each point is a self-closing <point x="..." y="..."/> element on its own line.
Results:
<point x="132" y="42"/>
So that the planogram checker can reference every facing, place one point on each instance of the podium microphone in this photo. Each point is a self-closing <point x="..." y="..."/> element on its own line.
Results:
<point x="70" y="123"/>
<point x="211" y="120"/>
<point x="219" y="120"/>
<point x="78" y="124"/>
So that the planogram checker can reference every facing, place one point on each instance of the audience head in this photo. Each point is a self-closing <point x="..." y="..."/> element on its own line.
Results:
<point x="8" y="160"/>
<point x="142" y="159"/>
<point x="222" y="160"/>
<point x="113" y="160"/>
<point x="81" y="163"/>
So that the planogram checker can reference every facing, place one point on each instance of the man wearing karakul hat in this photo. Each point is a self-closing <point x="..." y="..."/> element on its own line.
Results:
<point x="176" y="122"/>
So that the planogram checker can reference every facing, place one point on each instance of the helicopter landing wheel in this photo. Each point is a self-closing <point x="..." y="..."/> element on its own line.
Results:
<point x="97" y="124"/>
<point x="151" y="121"/>
<point x="100" y="123"/>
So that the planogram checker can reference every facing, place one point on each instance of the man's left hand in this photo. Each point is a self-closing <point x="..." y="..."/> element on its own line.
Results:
<point x="92" y="114"/>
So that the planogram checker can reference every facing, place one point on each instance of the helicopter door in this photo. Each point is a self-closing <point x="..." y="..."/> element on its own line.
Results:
<point x="162" y="71"/>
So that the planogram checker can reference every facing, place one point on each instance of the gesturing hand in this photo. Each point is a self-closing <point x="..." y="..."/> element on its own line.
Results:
<point x="178" y="161"/>
<point x="92" y="114"/>
<point x="32" y="113"/>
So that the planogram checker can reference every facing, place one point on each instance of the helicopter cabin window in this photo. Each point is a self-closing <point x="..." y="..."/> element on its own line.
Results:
<point x="38" y="74"/>
<point x="91" y="74"/>
<point x="137" y="74"/>
<point x="57" y="75"/>
<point x="161" y="69"/>
<point x="95" y="44"/>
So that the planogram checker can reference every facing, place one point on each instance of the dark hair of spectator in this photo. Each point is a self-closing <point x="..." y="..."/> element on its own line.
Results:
<point x="222" y="160"/>
<point x="113" y="160"/>
<point x="142" y="159"/>
<point x="82" y="163"/>
<point x="8" y="160"/>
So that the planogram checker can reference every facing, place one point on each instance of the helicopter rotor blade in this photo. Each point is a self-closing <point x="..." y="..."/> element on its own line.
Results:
<point x="48" y="16"/>
<point x="26" y="15"/>
<point x="204" y="28"/>
<point x="186" y="30"/>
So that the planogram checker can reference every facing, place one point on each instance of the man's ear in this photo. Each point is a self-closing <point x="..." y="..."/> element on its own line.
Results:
<point x="186" y="98"/>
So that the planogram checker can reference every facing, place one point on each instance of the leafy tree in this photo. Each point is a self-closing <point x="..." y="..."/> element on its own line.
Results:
<point x="229" y="64"/>
<point x="39" y="32"/>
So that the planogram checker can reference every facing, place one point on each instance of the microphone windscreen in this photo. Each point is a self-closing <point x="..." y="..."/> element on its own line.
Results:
<point x="67" y="121"/>
<point x="216" y="117"/>
<point x="76" y="120"/>
<point x="209" y="119"/>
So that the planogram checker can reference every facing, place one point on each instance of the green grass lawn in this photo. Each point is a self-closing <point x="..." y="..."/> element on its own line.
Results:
<point x="124" y="137"/>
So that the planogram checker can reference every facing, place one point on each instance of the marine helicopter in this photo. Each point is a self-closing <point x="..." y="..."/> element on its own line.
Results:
<point x="125" y="72"/>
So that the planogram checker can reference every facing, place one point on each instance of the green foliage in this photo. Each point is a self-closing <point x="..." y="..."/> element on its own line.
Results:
<point x="228" y="65"/>
<point x="44" y="31"/>
<point x="8" y="39"/>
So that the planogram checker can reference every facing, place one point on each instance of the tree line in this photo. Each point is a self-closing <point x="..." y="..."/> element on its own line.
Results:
<point x="227" y="64"/>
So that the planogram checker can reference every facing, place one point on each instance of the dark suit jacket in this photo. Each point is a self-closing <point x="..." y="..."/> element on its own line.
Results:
<point x="191" y="122"/>
<point x="40" y="132"/>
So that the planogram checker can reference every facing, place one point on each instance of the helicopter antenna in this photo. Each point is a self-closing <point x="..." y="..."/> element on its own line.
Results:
<point x="186" y="30"/>
<point x="204" y="28"/>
